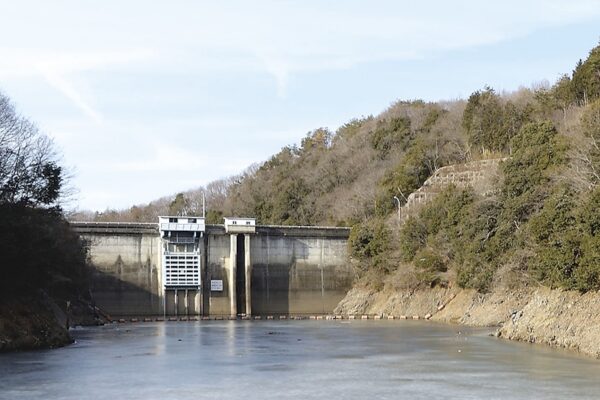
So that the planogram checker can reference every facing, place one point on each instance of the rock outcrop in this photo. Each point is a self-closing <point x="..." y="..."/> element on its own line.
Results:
<point x="565" y="319"/>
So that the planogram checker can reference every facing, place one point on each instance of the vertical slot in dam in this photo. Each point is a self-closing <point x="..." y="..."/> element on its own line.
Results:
<point x="240" y="267"/>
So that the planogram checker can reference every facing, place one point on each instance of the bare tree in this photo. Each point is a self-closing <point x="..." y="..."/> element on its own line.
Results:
<point x="584" y="153"/>
<point x="29" y="170"/>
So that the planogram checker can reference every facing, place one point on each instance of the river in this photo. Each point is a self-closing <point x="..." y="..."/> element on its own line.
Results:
<point x="295" y="360"/>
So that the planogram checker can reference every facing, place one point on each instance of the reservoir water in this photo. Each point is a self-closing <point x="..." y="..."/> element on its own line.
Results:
<point x="295" y="360"/>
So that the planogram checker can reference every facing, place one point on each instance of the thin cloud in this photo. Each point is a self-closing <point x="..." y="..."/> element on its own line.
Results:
<point x="28" y="62"/>
<point x="69" y="91"/>
<point x="166" y="158"/>
<point x="55" y="66"/>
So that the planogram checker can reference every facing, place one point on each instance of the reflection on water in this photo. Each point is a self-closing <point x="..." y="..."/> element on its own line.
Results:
<point x="295" y="359"/>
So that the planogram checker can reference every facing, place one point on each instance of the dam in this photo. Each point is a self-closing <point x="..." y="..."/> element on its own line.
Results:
<point x="181" y="266"/>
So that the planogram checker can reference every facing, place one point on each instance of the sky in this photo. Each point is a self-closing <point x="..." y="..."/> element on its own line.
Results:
<point x="146" y="98"/>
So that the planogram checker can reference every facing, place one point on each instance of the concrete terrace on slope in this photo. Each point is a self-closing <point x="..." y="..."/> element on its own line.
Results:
<point x="479" y="175"/>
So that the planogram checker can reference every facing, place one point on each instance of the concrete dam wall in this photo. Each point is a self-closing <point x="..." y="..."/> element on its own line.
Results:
<point x="126" y="275"/>
<point x="298" y="275"/>
<point x="274" y="270"/>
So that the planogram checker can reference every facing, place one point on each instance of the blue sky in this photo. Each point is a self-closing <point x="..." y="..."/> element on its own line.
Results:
<point x="147" y="98"/>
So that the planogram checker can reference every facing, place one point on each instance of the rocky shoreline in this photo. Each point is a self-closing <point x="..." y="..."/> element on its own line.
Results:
<point x="38" y="322"/>
<point x="28" y="324"/>
<point x="558" y="318"/>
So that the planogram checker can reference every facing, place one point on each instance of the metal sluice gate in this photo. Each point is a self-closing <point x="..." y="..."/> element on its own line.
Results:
<point x="181" y="260"/>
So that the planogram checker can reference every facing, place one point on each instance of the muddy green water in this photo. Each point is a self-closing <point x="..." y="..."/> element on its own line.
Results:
<point x="296" y="360"/>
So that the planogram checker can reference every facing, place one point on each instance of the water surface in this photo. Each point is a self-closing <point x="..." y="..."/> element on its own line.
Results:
<point x="295" y="360"/>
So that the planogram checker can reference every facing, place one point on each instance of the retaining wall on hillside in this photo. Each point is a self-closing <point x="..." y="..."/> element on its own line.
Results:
<point x="479" y="175"/>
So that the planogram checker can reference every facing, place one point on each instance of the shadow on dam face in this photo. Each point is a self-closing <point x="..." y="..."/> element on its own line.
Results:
<point x="117" y="297"/>
<point x="284" y="278"/>
<point x="240" y="284"/>
<point x="270" y="289"/>
<point x="293" y="275"/>
<point x="291" y="271"/>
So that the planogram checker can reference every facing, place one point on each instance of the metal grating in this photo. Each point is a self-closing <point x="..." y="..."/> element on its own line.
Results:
<point x="182" y="269"/>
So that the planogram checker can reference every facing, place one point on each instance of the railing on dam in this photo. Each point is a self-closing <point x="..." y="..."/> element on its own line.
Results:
<point x="115" y="227"/>
<point x="290" y="230"/>
<point x="269" y="230"/>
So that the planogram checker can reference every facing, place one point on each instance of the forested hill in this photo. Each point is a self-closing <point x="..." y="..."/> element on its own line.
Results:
<point x="540" y="225"/>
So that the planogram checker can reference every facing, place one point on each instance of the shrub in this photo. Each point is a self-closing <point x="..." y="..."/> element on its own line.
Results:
<point x="586" y="79"/>
<point x="405" y="178"/>
<point x="369" y="239"/>
<point x="537" y="148"/>
<point x="475" y="275"/>
<point x="38" y="249"/>
<point x="390" y="134"/>
<point x="588" y="216"/>
<point x="413" y="237"/>
<point x="482" y="120"/>
<point x="587" y="274"/>
<point x="428" y="260"/>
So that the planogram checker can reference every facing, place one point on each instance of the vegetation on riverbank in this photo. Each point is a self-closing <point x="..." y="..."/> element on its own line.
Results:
<point x="43" y="273"/>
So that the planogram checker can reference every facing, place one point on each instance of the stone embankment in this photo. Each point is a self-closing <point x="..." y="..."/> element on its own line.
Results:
<point x="559" y="318"/>
<point x="480" y="175"/>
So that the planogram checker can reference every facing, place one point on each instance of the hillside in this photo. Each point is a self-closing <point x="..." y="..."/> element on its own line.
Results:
<point x="535" y="223"/>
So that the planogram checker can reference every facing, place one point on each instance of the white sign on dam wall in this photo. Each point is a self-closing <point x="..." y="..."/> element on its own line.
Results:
<point x="216" y="285"/>
<point x="182" y="267"/>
